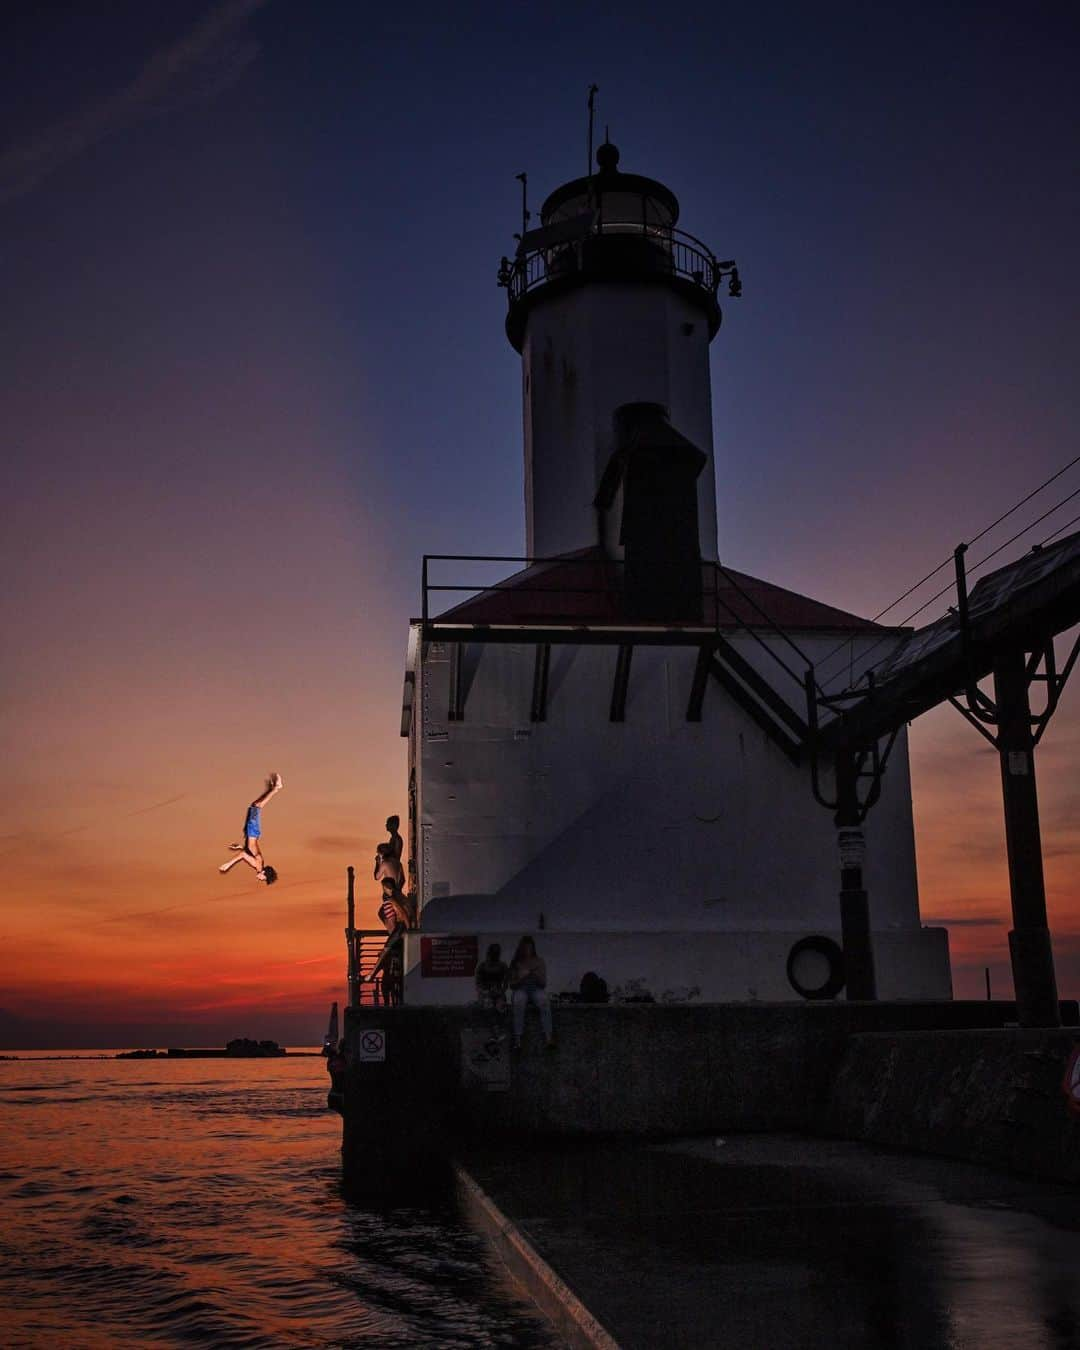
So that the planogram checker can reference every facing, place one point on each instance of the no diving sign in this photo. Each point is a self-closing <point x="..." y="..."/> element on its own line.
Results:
<point x="372" y="1046"/>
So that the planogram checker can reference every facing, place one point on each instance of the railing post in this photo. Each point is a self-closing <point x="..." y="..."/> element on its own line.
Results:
<point x="350" y="941"/>
<point x="854" y="902"/>
<point x="1029" y="941"/>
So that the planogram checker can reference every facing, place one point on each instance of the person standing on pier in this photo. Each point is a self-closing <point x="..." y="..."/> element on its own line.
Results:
<point x="528" y="984"/>
<point x="397" y="844"/>
<point x="250" y="851"/>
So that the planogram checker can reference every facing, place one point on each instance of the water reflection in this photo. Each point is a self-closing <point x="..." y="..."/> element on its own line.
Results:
<point x="200" y="1203"/>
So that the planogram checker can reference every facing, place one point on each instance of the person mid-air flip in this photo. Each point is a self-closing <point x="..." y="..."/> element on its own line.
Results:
<point x="249" y="851"/>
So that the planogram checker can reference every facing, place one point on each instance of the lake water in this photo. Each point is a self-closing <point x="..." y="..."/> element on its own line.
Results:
<point x="198" y="1202"/>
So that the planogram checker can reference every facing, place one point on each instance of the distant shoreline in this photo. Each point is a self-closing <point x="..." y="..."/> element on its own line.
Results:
<point x="176" y="1052"/>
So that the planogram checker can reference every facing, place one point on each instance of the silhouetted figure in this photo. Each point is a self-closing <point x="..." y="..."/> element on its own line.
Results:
<point x="491" y="976"/>
<point x="388" y="975"/>
<point x="490" y="979"/>
<point x="593" y="988"/>
<point x="250" y="851"/>
<point x="336" y="1065"/>
<point x="387" y="866"/>
<point x="528" y="984"/>
<point x="396" y="909"/>
<point x="388" y="855"/>
<point x="396" y="841"/>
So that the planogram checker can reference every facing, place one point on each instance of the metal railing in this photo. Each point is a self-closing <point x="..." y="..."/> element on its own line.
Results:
<point x="370" y="975"/>
<point x="666" y="252"/>
<point x="718" y="613"/>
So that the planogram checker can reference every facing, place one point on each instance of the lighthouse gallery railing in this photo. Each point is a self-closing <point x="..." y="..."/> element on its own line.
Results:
<point x="663" y="250"/>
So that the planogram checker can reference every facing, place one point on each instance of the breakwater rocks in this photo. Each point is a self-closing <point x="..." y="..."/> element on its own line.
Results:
<point x="241" y="1048"/>
<point x="928" y="1077"/>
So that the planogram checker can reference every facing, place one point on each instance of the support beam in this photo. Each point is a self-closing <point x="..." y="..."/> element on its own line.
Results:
<point x="456" y="710"/>
<point x="1029" y="941"/>
<point x="750" y="705"/>
<point x="697" y="689"/>
<point x="538" y="711"/>
<point x="762" y="690"/>
<point x="854" y="901"/>
<point x="622" y="683"/>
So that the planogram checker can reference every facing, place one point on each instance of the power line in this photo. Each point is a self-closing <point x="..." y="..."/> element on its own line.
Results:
<point x="1060" y="530"/>
<point x="1034" y="493"/>
<point x="974" y="540"/>
<point x="975" y="567"/>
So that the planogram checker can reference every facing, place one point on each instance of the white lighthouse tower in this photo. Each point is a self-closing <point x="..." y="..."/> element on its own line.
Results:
<point x="608" y="747"/>
<point x="609" y="306"/>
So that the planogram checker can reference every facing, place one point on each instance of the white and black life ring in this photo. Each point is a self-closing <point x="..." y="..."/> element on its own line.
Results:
<point x="815" y="968"/>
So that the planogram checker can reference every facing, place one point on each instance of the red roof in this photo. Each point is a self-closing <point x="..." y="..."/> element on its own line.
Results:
<point x="585" y="588"/>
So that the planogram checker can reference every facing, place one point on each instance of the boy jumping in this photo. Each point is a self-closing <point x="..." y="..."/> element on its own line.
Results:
<point x="249" y="851"/>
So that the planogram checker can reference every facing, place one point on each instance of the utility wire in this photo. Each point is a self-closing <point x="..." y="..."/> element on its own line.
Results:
<point x="974" y="540"/>
<point x="1060" y="530"/>
<point x="767" y="617"/>
<point x="975" y="567"/>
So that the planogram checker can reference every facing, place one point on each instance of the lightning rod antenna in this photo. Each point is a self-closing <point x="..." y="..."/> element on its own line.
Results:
<point x="523" y="179"/>
<point x="594" y="89"/>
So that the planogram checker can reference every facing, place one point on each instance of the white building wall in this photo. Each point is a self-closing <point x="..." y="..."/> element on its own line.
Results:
<point x="653" y="824"/>
<point x="678" y="967"/>
<point x="585" y="353"/>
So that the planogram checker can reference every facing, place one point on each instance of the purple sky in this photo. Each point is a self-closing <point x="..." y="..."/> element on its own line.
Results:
<point x="254" y="367"/>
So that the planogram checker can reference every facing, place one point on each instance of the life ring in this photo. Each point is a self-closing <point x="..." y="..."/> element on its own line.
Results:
<point x="1070" y="1084"/>
<point x="804" y="967"/>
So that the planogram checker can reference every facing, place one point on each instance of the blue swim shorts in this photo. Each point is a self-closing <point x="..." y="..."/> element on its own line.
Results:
<point x="253" y="823"/>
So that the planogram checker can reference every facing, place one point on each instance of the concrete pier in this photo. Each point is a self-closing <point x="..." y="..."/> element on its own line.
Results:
<point x="937" y="1078"/>
<point x="780" y="1242"/>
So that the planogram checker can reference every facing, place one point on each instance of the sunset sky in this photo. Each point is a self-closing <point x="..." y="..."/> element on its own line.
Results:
<point x="253" y="368"/>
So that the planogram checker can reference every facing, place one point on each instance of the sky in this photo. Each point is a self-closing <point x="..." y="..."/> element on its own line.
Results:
<point x="253" y="367"/>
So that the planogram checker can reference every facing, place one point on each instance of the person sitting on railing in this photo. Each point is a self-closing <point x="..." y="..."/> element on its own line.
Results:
<point x="528" y="984"/>
<point x="491" y="976"/>
<point x="395" y="911"/>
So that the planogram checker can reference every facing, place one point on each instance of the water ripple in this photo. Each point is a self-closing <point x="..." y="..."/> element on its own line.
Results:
<point x="201" y="1205"/>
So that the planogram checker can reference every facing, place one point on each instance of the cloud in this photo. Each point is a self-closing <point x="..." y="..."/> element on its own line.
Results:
<point x="964" y="920"/>
<point x="143" y="810"/>
<point x="198" y="66"/>
<point x="333" y="843"/>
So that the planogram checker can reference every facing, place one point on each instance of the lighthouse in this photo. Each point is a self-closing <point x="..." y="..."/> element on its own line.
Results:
<point x="608" y="741"/>
<point x="612" y="306"/>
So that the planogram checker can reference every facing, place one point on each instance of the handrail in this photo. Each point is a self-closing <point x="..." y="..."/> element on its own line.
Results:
<point x="679" y="254"/>
<point x="369" y="944"/>
<point x="710" y="593"/>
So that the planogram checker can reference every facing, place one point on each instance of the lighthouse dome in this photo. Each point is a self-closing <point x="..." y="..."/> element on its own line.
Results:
<point x="627" y="198"/>
<point x="609" y="227"/>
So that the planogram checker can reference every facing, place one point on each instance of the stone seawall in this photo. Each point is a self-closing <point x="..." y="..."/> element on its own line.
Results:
<point x="928" y="1077"/>
<point x="991" y="1097"/>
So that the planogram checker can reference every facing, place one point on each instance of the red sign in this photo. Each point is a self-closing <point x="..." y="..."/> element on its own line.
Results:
<point x="443" y="956"/>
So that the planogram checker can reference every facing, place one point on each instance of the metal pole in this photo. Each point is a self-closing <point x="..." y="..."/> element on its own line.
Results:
<point x="1029" y="941"/>
<point x="350" y="941"/>
<point x="594" y="89"/>
<point x="854" y="901"/>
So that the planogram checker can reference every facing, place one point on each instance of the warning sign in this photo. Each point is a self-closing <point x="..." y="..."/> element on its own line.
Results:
<point x="372" y="1046"/>
<point x="441" y="957"/>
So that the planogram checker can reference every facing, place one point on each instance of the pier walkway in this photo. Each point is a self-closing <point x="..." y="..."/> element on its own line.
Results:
<point x="782" y="1241"/>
